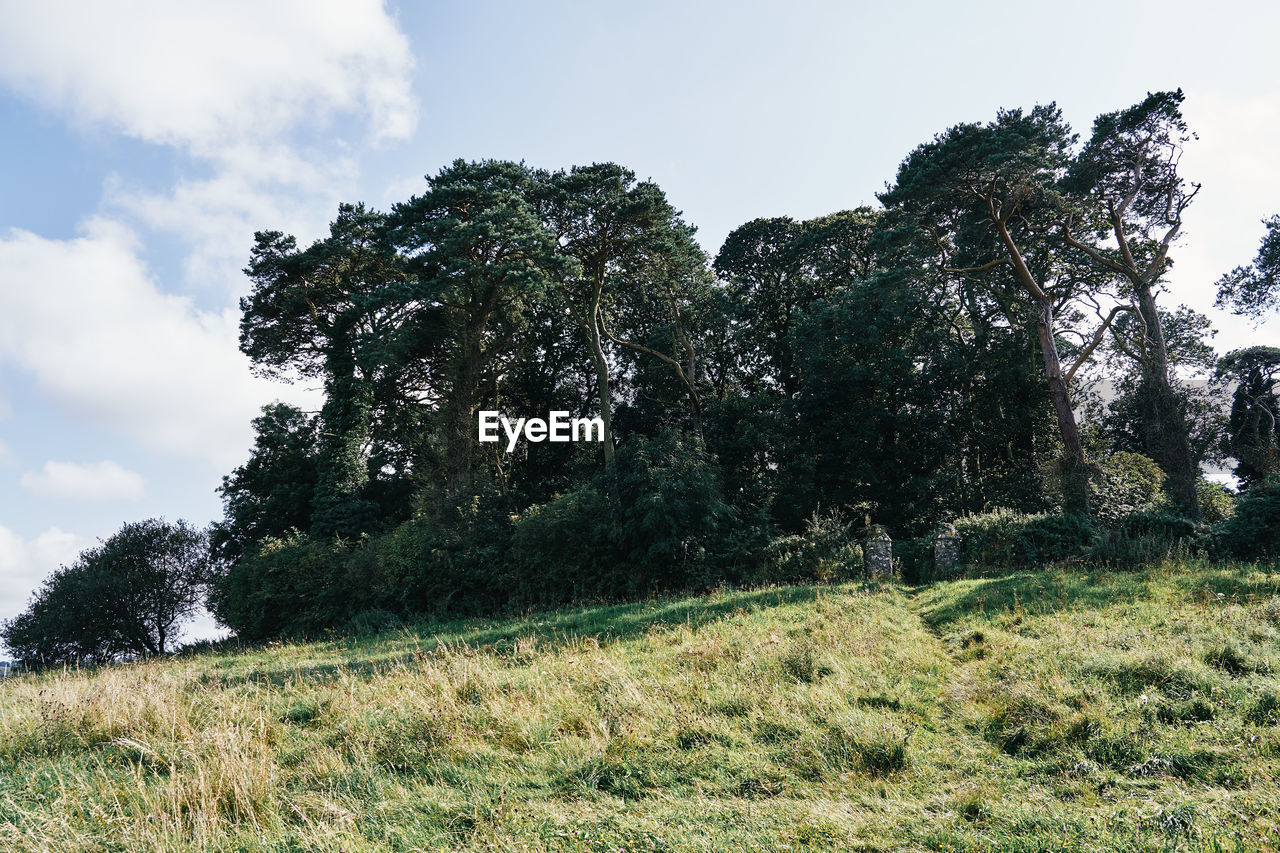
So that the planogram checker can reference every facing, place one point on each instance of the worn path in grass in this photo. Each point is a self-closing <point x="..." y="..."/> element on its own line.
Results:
<point x="1043" y="711"/>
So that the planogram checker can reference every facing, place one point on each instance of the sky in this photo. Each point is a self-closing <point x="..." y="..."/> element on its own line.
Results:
<point x="143" y="143"/>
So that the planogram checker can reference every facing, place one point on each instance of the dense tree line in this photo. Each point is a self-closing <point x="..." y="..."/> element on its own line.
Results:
<point x="907" y="365"/>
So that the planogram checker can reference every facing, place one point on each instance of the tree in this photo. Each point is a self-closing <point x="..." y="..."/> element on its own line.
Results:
<point x="327" y="312"/>
<point x="478" y="256"/>
<point x="271" y="493"/>
<point x="982" y="199"/>
<point x="1254" y="290"/>
<point x="1127" y="424"/>
<point x="758" y="263"/>
<point x="1129" y="188"/>
<point x="1253" y="428"/>
<point x="618" y="231"/>
<point x="126" y="597"/>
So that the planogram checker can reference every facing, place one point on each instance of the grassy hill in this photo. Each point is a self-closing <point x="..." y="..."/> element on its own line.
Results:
<point x="1033" y="711"/>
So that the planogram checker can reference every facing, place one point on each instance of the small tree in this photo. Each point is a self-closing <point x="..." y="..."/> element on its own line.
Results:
<point x="124" y="598"/>
<point x="1253" y="430"/>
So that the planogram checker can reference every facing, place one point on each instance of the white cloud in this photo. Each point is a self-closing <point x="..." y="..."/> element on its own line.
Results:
<point x="201" y="75"/>
<point x="230" y="84"/>
<point x="24" y="564"/>
<point x="258" y="188"/>
<point x="87" y="321"/>
<point x="99" y="481"/>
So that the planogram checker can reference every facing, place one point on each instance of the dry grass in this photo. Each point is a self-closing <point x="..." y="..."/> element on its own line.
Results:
<point x="1030" y="712"/>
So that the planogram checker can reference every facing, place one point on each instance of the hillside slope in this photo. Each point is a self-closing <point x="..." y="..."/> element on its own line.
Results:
<point x="1034" y="711"/>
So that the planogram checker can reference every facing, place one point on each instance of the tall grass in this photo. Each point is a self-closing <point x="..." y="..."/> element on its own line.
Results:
<point x="1029" y="711"/>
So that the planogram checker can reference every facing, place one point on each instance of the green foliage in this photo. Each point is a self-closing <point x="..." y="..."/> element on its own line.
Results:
<point x="1006" y="538"/>
<point x="1125" y="483"/>
<point x="1253" y="428"/>
<point x="1145" y="538"/>
<point x="452" y="565"/>
<point x="1217" y="502"/>
<point x="124" y="598"/>
<point x="271" y="493"/>
<point x="671" y="509"/>
<point x="286" y="587"/>
<point x="826" y="551"/>
<point x="1253" y="530"/>
<point x="1130" y="421"/>
<point x="567" y="548"/>
<point x="1254" y="290"/>
<point x="884" y="365"/>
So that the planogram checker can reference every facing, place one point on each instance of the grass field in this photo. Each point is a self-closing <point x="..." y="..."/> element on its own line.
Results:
<point x="1057" y="710"/>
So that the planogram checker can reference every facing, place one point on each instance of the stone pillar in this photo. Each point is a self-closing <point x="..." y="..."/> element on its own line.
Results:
<point x="878" y="554"/>
<point x="946" y="552"/>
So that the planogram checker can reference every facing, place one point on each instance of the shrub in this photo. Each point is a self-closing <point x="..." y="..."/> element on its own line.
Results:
<point x="1253" y="530"/>
<point x="1217" y="502"/>
<point x="375" y="620"/>
<point x="1125" y="483"/>
<point x="672" y="516"/>
<point x="1144" y="538"/>
<point x="1004" y="538"/>
<point x="826" y="551"/>
<point x="456" y="566"/>
<point x="567" y="549"/>
<point x="291" y="585"/>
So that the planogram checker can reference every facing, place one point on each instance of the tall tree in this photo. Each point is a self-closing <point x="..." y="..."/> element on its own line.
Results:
<point x="758" y="263"/>
<point x="478" y="255"/>
<point x="1128" y="424"/>
<point x="273" y="491"/>
<point x="324" y="312"/>
<point x="775" y="270"/>
<point x="1127" y="179"/>
<point x="617" y="230"/>
<point x="983" y="197"/>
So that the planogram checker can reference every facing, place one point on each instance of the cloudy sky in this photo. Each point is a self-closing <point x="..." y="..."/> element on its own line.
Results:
<point x="144" y="142"/>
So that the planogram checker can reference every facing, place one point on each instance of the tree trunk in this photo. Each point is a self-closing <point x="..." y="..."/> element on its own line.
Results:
<point x="1167" y="420"/>
<point x="602" y="376"/>
<point x="1075" y="473"/>
<point x="341" y="469"/>
<point x="460" y="426"/>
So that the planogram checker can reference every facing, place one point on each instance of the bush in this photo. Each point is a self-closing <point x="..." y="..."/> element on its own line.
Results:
<point x="1253" y="530"/>
<point x="1004" y="538"/>
<point x="1126" y="483"/>
<point x="1217" y="502"/>
<point x="657" y="523"/>
<point x="458" y="566"/>
<point x="375" y="620"/>
<point x="1164" y="526"/>
<point x="826" y="551"/>
<point x="289" y="586"/>
<point x="567" y="549"/>
<point x="671" y="512"/>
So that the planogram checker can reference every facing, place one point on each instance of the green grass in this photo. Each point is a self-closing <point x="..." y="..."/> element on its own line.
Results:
<point x="1056" y="710"/>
